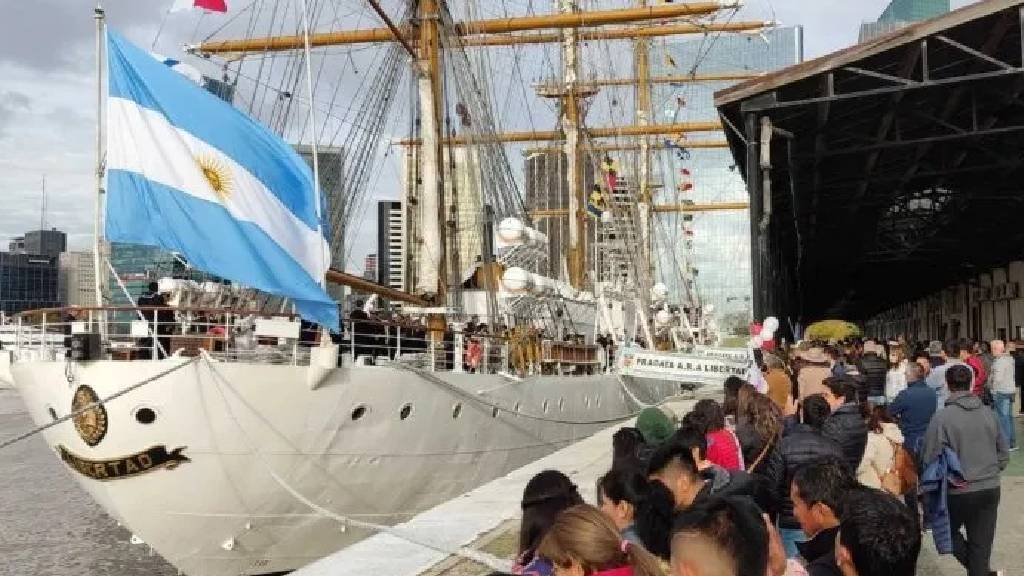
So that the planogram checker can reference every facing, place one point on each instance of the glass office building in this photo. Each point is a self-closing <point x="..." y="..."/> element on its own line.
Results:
<point x="900" y="13"/>
<point x="138" y="265"/>
<point x="28" y="282"/>
<point x="715" y="246"/>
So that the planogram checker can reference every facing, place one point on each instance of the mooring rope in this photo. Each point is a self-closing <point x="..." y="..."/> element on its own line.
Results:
<point x="97" y="403"/>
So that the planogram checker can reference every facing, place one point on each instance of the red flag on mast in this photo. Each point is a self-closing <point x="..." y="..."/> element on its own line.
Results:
<point x="211" y="5"/>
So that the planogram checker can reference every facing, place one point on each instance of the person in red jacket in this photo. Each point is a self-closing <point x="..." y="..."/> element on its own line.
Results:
<point x="723" y="445"/>
<point x="977" y="363"/>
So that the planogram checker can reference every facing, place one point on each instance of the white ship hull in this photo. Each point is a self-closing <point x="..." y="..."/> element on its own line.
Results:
<point x="224" y="513"/>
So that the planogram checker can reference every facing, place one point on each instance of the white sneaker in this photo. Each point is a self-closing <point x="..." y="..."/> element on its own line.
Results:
<point x="1014" y="449"/>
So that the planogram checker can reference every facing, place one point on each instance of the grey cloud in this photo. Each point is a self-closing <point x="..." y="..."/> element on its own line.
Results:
<point x="58" y="34"/>
<point x="11" y="103"/>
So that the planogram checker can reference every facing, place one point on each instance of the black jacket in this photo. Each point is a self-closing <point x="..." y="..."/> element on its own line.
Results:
<point x="802" y="445"/>
<point x="873" y="370"/>
<point x="820" y="553"/>
<point x="770" y="472"/>
<point x="1018" y="368"/>
<point x="722" y="483"/>
<point x="846" y="426"/>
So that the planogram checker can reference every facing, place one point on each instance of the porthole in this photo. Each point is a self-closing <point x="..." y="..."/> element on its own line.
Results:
<point x="586" y="401"/>
<point x="494" y="412"/>
<point x="145" y="416"/>
<point x="561" y="404"/>
<point x="405" y="412"/>
<point x="53" y="413"/>
<point x="516" y="408"/>
<point x="457" y="410"/>
<point x="597" y="400"/>
<point x="544" y="407"/>
<point x="358" y="412"/>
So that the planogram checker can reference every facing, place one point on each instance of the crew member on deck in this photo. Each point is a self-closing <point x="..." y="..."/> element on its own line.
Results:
<point x="161" y="322"/>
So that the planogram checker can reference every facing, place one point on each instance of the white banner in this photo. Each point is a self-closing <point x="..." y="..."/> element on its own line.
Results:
<point x="692" y="368"/>
<point x="734" y="354"/>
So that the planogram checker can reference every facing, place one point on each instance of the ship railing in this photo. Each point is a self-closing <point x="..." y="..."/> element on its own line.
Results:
<point x="513" y="352"/>
<point x="129" y="333"/>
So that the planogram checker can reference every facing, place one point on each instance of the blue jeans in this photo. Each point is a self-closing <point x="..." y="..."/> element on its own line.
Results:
<point x="1004" y="413"/>
<point x="790" y="536"/>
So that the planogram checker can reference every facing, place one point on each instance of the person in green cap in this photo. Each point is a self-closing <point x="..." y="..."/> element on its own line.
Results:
<point x="654" y="425"/>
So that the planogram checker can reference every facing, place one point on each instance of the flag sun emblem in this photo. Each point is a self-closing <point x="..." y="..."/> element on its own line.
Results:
<point x="217" y="175"/>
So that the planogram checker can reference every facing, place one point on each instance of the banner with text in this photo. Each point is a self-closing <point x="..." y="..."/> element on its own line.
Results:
<point x="690" y="368"/>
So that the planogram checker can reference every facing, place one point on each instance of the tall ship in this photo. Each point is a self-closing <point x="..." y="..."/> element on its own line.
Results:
<point x="239" y="424"/>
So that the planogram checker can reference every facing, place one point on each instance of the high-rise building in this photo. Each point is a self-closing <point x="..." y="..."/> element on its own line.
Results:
<point x="547" y="187"/>
<point x="710" y="249"/>
<point x="137" y="265"/>
<point x="28" y="282"/>
<point x="331" y="163"/>
<point x="42" y="242"/>
<point x="77" y="279"/>
<point x="370" y="267"/>
<point x="900" y="13"/>
<point x="390" y="244"/>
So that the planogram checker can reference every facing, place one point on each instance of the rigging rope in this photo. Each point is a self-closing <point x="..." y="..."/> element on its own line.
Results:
<point x="91" y="405"/>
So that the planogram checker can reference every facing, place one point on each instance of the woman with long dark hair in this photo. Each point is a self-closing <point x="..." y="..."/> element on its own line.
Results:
<point x="732" y="387"/>
<point x="759" y="430"/>
<point x="723" y="446"/>
<point x="546" y="495"/>
<point x="641" y="509"/>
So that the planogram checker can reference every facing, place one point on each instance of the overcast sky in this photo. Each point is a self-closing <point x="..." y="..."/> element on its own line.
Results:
<point x="47" y="89"/>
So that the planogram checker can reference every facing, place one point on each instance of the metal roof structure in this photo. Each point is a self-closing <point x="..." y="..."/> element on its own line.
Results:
<point x="887" y="170"/>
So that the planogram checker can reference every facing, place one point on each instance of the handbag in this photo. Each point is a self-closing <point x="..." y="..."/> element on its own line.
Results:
<point x="902" y="478"/>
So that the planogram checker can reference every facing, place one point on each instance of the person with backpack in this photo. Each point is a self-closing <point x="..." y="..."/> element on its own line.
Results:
<point x="802" y="443"/>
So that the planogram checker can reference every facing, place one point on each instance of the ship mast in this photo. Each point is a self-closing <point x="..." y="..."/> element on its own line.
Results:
<point x="569" y="26"/>
<point x="97" y="240"/>
<point x="641" y="56"/>
<point x="576" y="254"/>
<point x="431" y="274"/>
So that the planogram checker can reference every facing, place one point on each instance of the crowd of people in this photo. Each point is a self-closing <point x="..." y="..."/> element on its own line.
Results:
<point x="834" y="462"/>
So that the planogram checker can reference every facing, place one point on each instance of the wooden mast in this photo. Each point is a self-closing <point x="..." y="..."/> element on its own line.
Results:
<point x="576" y="254"/>
<point x="604" y="132"/>
<point x="431" y="277"/>
<point x="618" y="147"/>
<point x="642" y="94"/>
<point x="621" y="33"/>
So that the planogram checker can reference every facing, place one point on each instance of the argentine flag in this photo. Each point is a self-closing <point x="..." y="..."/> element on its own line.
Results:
<point x="188" y="172"/>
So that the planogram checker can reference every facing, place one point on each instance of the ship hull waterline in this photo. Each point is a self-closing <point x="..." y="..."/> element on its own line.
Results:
<point x="373" y="443"/>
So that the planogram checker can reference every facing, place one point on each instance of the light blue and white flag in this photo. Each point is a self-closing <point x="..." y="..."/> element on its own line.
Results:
<point x="188" y="172"/>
